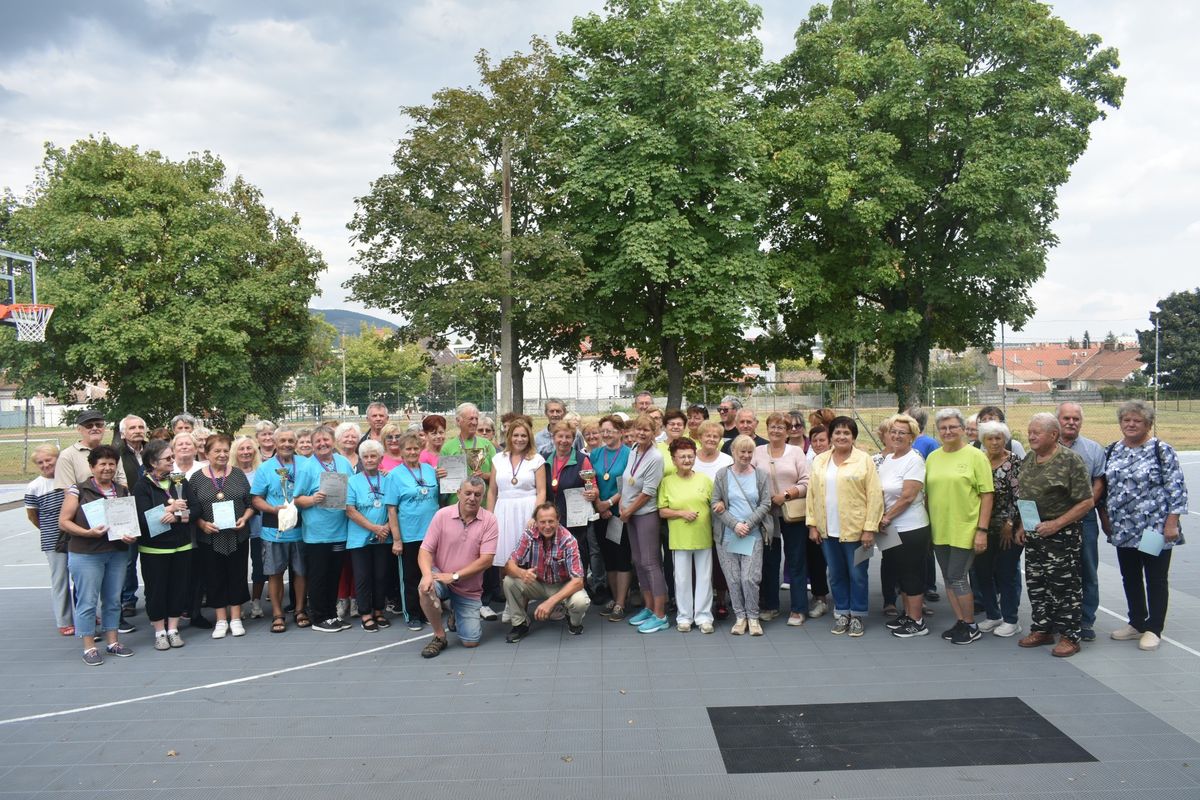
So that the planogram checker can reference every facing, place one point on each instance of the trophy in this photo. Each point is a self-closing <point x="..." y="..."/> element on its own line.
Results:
<point x="283" y="483"/>
<point x="474" y="459"/>
<point x="589" y="478"/>
<point x="177" y="483"/>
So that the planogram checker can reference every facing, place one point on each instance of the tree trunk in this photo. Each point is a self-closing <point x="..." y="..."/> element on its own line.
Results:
<point x="674" y="370"/>
<point x="517" y="377"/>
<point x="909" y="370"/>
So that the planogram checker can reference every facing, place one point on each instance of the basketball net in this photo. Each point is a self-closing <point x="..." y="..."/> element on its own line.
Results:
<point x="30" y="319"/>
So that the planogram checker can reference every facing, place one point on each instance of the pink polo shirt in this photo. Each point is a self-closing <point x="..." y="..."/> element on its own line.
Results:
<point x="455" y="546"/>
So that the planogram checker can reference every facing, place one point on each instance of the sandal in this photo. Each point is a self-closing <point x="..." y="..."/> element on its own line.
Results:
<point x="382" y="621"/>
<point x="67" y="630"/>
<point x="302" y="620"/>
<point x="436" y="645"/>
<point x="278" y="624"/>
<point x="369" y="625"/>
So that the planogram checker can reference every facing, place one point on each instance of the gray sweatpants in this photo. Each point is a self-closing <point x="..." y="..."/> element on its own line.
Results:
<point x="743" y="574"/>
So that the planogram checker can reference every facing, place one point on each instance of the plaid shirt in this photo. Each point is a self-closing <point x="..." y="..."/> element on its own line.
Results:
<point x="554" y="564"/>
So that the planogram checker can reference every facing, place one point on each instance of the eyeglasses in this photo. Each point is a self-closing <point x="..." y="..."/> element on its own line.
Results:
<point x="394" y="436"/>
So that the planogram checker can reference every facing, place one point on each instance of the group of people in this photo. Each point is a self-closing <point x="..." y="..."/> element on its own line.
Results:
<point x="703" y="518"/>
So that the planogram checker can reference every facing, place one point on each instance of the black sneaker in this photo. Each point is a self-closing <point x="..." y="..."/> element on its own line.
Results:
<point x="911" y="628"/>
<point x="328" y="626"/>
<point x="575" y="629"/>
<point x="966" y="634"/>
<point x="125" y="626"/>
<point x="897" y="623"/>
<point x="932" y="596"/>
<point x="519" y="632"/>
<point x="948" y="634"/>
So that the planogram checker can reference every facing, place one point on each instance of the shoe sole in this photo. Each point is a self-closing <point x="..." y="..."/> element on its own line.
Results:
<point x="655" y="629"/>
<point x="838" y="633"/>
<point x="972" y="640"/>
<point x="1006" y="635"/>
<point x="913" y="635"/>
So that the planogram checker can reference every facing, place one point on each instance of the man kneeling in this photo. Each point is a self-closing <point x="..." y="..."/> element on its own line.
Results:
<point x="546" y="567"/>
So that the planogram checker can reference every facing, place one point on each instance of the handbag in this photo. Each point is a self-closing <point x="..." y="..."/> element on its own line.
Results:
<point x="791" y="510"/>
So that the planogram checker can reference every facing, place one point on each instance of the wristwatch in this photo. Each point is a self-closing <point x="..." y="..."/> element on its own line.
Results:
<point x="454" y="577"/>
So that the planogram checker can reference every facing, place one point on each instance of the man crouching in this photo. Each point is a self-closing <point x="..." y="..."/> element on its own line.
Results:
<point x="546" y="567"/>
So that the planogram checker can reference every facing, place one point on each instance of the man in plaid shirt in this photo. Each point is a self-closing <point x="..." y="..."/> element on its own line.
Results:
<point x="546" y="567"/>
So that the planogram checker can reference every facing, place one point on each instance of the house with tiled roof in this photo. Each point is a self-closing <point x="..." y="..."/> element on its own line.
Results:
<point x="1106" y="368"/>
<point x="1054" y="366"/>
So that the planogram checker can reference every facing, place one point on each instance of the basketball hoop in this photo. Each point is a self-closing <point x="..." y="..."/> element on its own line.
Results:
<point x="30" y="320"/>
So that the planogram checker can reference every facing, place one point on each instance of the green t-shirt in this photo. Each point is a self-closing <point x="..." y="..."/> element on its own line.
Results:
<point x="693" y="493"/>
<point x="1055" y="485"/>
<point x="953" y="484"/>
<point x="457" y="447"/>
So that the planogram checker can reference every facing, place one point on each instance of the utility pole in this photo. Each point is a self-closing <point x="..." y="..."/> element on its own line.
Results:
<point x="506" y="342"/>
<point x="342" y="339"/>
<point x="1003" y="372"/>
<point x="1156" y="316"/>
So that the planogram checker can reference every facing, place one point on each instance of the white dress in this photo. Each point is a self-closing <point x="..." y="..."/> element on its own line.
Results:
<point x="514" y="504"/>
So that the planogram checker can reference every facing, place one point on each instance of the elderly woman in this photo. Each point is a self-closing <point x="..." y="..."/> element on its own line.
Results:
<point x="845" y="504"/>
<point x="245" y="458"/>
<point x="1057" y="481"/>
<point x="166" y="556"/>
<point x="304" y="442"/>
<point x="412" y="500"/>
<point x="902" y="476"/>
<point x="519" y="486"/>
<point x="639" y="512"/>
<point x="183" y="445"/>
<point x="709" y="461"/>
<point x="796" y="431"/>
<point x="564" y="469"/>
<point x="264" y="436"/>
<point x="742" y="523"/>
<point x="324" y="529"/>
<point x="96" y="563"/>
<point x="1146" y="492"/>
<point x="346" y="438"/>
<point x="390" y="437"/>
<point x="998" y="569"/>
<point x="487" y="429"/>
<point x="43" y="502"/>
<point x="369" y="536"/>
<point x="684" y="500"/>
<point x="958" y="483"/>
<point x="787" y="473"/>
<point x="610" y="461"/>
<point x="697" y="414"/>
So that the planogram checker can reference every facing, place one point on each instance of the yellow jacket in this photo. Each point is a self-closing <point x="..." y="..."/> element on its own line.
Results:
<point x="859" y="495"/>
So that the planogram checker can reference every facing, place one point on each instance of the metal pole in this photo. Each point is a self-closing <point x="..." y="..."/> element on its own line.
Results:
<point x="185" y="387"/>
<point x="25" y="460"/>
<point x="1156" y="327"/>
<point x="343" y="340"/>
<point x="506" y="341"/>
<point x="1003" y="371"/>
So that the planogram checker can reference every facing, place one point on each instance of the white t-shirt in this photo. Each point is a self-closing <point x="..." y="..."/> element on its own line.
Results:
<point x="893" y="472"/>
<point x="833" y="525"/>
<point x="711" y="468"/>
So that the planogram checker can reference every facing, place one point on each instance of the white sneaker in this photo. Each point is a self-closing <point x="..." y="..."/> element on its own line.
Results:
<point x="817" y="609"/>
<point x="236" y="627"/>
<point x="785" y="586"/>
<point x="220" y="629"/>
<point x="684" y="627"/>
<point x="755" y="628"/>
<point x="1126" y="633"/>
<point x="739" y="627"/>
<point x="989" y="625"/>
<point x="1149" y="641"/>
<point x="505" y="617"/>
<point x="256" y="611"/>
<point x="343" y="608"/>
<point x="706" y="627"/>
<point x="1005" y="629"/>
<point x="487" y="612"/>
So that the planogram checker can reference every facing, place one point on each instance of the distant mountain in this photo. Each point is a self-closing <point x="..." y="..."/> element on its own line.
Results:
<point x="350" y="323"/>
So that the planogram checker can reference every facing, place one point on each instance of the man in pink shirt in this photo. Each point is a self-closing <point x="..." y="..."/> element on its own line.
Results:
<point x="459" y="545"/>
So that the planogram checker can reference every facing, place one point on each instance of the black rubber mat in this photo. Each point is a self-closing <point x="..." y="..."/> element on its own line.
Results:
<point x="888" y="735"/>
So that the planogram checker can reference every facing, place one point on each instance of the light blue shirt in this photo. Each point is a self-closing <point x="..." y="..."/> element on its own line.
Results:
<point x="322" y="525"/>
<point x="363" y="493"/>
<point x="415" y="496"/>
<point x="266" y="484"/>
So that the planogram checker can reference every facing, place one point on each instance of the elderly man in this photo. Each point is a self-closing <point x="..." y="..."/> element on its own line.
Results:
<point x="183" y="423"/>
<point x="746" y="422"/>
<point x="377" y="417"/>
<point x="1055" y="492"/>
<point x="466" y="416"/>
<point x="131" y="433"/>
<point x="1070" y="420"/>
<point x="543" y="440"/>
<point x="274" y="486"/>
<point x="728" y="410"/>
<point x="546" y="567"/>
<point x="643" y="401"/>
<point x="459" y="545"/>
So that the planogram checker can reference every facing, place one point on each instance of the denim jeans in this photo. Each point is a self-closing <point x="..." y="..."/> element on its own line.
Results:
<point x="466" y="613"/>
<point x="98" y="578"/>
<point x="847" y="583"/>
<point x="129" y="589"/>
<point x="1089" y="563"/>
<point x="795" y="536"/>
<point x="998" y="579"/>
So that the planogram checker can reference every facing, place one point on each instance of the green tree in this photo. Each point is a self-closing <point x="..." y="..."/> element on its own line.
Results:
<point x="152" y="265"/>
<point x="317" y="383"/>
<point x="1178" y="319"/>
<point x="663" y="193"/>
<point x="921" y="144"/>
<point x="461" y="382"/>
<point x="429" y="232"/>
<point x="383" y="371"/>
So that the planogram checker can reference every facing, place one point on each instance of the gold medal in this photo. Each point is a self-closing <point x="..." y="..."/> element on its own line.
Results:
<point x="514" y="480"/>
<point x="606" y="476"/>
<point x="220" y="495"/>
<point x="631" y="481"/>
<point x="554" y="483"/>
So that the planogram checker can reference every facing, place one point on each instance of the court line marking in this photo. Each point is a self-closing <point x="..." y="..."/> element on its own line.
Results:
<point x="15" y="535"/>
<point x="1125" y="619"/>
<point x="34" y="564"/>
<point x="216" y="685"/>
<point x="14" y="588"/>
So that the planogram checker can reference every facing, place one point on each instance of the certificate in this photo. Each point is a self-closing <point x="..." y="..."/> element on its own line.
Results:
<point x="223" y="516"/>
<point x="93" y="512"/>
<point x="154" y="522"/>
<point x="863" y="554"/>
<point x="1030" y="518"/>
<point x="889" y="539"/>
<point x="456" y="473"/>
<point x="740" y="545"/>
<point x="613" y="531"/>
<point x="121" y="513"/>
<point x="333" y="486"/>
<point x="579" y="511"/>
<point x="1151" y="543"/>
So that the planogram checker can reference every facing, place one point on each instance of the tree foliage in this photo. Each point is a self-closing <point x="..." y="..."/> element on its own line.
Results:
<point x="153" y="264"/>
<point x="429" y="232"/>
<point x="920" y="147"/>
<point x="663" y="196"/>
<point x="1178" y="319"/>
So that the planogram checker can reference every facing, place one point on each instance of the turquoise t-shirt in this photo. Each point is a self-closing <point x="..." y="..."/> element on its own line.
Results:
<point x="266" y="484"/>
<point x="367" y="495"/>
<point x="611" y="463"/>
<point x="322" y="525"/>
<point x="414" y="493"/>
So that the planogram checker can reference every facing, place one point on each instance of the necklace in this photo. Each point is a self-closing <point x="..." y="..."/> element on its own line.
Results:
<point x="424" y="490"/>
<point x="375" y="489"/>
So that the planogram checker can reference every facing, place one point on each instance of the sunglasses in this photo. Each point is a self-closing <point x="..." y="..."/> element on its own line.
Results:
<point x="94" y="426"/>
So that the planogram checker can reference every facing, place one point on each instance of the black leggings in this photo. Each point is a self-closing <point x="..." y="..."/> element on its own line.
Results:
<point x="818" y="569"/>
<point x="168" y="583"/>
<point x="370" y="564"/>
<point x="323" y="569"/>
<point x="412" y="581"/>
<point x="617" y="557"/>
<point x="910" y="559"/>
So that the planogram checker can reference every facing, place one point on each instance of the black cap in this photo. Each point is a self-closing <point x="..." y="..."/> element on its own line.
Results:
<point x="89" y="416"/>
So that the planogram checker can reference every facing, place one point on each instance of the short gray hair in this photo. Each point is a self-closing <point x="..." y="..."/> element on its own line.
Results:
<point x="262" y="425"/>
<point x="340" y="430"/>
<point x="1059" y="410"/>
<point x="920" y="415"/>
<point x="184" y="417"/>
<point x="994" y="427"/>
<point x="1046" y="421"/>
<point x="473" y="480"/>
<point x="557" y="400"/>
<point x="324" y="430"/>
<point x="946" y="413"/>
<point x="733" y="401"/>
<point x="377" y="404"/>
<point x="126" y="418"/>
<point x="1139" y="407"/>
<point x="370" y="446"/>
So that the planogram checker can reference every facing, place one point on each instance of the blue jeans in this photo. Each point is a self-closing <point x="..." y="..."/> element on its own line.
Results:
<point x="1089" y="563"/>
<point x="466" y="613"/>
<point x="998" y="579"/>
<point x="847" y="583"/>
<point x="768" y="589"/>
<point x="129" y="590"/>
<point x="98" y="578"/>
<point x="795" y="536"/>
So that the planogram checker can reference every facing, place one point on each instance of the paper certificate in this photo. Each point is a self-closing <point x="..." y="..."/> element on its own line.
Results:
<point x="333" y="485"/>
<point x="456" y="473"/>
<point x="863" y="554"/>
<point x="223" y="516"/>
<point x="579" y="511"/>
<point x="93" y="512"/>
<point x="121" y="513"/>
<point x="1151" y="543"/>
<point x="740" y="545"/>
<point x="613" y="532"/>
<point x="1030" y="518"/>
<point x="888" y="540"/>
<point x="154" y="522"/>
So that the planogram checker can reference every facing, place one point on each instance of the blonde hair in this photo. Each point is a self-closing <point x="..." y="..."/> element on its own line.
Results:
<point x="43" y="450"/>
<point x="233" y="448"/>
<point x="710" y="425"/>
<point x="742" y="442"/>
<point x="905" y="420"/>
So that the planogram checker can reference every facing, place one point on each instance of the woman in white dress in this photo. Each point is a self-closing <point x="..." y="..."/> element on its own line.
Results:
<point x="518" y="486"/>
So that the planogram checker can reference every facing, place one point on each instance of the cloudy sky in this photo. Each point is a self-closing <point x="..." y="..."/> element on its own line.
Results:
<point x="302" y="99"/>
